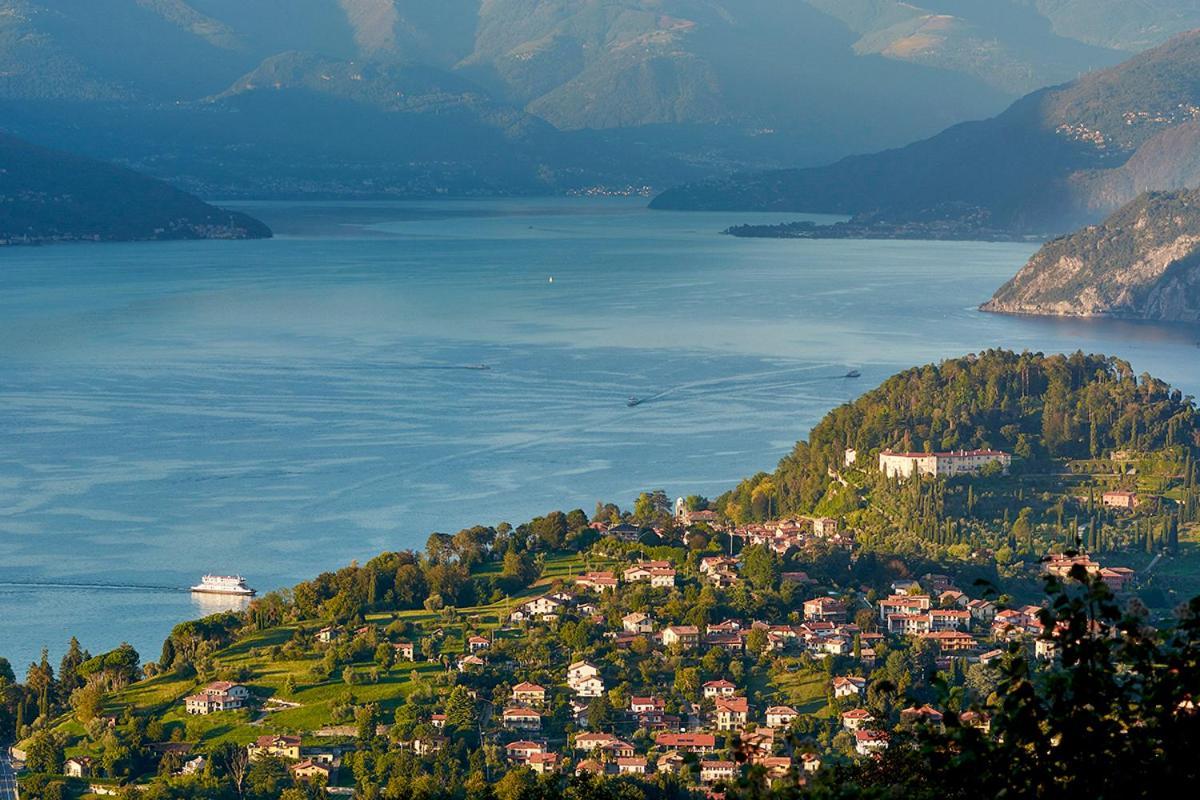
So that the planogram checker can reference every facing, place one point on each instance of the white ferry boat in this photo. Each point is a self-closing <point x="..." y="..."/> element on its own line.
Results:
<point x="223" y="584"/>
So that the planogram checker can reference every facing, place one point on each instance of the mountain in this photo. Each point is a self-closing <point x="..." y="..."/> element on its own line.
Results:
<point x="602" y="91"/>
<point x="1142" y="262"/>
<point x="47" y="195"/>
<point x="1053" y="160"/>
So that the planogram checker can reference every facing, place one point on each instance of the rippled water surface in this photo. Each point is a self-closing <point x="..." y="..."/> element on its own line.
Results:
<point x="279" y="408"/>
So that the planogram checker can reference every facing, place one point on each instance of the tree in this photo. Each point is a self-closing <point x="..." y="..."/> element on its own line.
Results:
<point x="366" y="719"/>
<point x="517" y="784"/>
<point x="88" y="702"/>
<point x="460" y="710"/>
<point x="760" y="566"/>
<point x="44" y="753"/>
<point x="1118" y="695"/>
<point x="234" y="761"/>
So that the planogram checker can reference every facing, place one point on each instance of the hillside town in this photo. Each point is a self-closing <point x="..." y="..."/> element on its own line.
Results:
<point x="694" y="648"/>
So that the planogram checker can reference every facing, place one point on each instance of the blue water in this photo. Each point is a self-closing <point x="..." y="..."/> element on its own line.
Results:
<point x="279" y="408"/>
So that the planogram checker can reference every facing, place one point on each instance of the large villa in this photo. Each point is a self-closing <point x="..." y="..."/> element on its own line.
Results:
<point x="942" y="465"/>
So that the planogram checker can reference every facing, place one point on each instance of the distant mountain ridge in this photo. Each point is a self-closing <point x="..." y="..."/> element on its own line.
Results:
<point x="686" y="87"/>
<point x="1055" y="159"/>
<point x="48" y="196"/>
<point x="1142" y="262"/>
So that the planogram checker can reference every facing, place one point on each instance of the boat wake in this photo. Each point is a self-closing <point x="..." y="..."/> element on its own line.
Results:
<point x="95" y="586"/>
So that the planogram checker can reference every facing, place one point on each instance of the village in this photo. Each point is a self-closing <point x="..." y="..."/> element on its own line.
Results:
<point x="637" y="662"/>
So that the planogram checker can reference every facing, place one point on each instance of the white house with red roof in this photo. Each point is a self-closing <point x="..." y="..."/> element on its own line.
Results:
<point x="215" y="697"/>
<point x="719" y="688"/>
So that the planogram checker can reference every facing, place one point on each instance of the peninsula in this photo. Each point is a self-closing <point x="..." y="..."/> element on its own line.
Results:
<point x="1143" y="262"/>
<point x="885" y="586"/>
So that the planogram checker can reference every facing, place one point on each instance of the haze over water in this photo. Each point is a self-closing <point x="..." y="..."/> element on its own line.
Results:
<point x="279" y="408"/>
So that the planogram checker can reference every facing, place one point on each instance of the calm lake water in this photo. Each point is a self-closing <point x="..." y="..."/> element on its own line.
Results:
<point x="279" y="408"/>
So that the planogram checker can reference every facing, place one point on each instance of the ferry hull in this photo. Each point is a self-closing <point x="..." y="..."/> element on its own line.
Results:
<point x="229" y="592"/>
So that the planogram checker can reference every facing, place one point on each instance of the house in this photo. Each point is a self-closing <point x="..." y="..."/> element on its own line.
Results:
<point x="597" y="581"/>
<point x="631" y="765"/>
<point x="522" y="719"/>
<point x="941" y="465"/>
<point x="544" y="607"/>
<point x="824" y="609"/>
<point x="194" y="766"/>
<point x="687" y="742"/>
<point x="687" y="517"/>
<point x="731" y="713"/>
<point x="867" y="658"/>
<point x="1117" y="579"/>
<point x="781" y="716"/>
<point x="428" y="745"/>
<point x="637" y="622"/>
<point x="588" y="687"/>
<point x="659" y="574"/>
<point x="954" y="619"/>
<point x="581" y="670"/>
<point x="589" y="766"/>
<point x="529" y="694"/>
<point x="1045" y="649"/>
<point x="953" y="597"/>
<point x="731" y="640"/>
<point x="950" y="641"/>
<point x="543" y="763"/>
<point x="925" y="714"/>
<point x="1123" y="500"/>
<point x="982" y="611"/>
<point x="856" y="718"/>
<point x="758" y="744"/>
<point x="467" y="663"/>
<point x="777" y="767"/>
<point x="477" y="643"/>
<point x="405" y="651"/>
<point x="976" y="719"/>
<point x="811" y="762"/>
<point x="670" y="762"/>
<point x="714" y="564"/>
<point x="848" y="686"/>
<point x="519" y="752"/>
<point x="626" y="532"/>
<point x="718" y="771"/>
<point x="78" y="767"/>
<point x="825" y="527"/>
<point x="279" y="746"/>
<point x="618" y="749"/>
<point x="687" y="636"/>
<point x="309" y="770"/>
<point x="903" y="604"/>
<point x="327" y="634"/>
<point x="868" y="742"/>
<point x="719" y="688"/>
<point x="589" y="741"/>
<point x="217" y="696"/>
<point x="437" y="720"/>
<point x="645" y="705"/>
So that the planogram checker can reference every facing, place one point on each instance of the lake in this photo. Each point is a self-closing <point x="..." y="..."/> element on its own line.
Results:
<point x="279" y="408"/>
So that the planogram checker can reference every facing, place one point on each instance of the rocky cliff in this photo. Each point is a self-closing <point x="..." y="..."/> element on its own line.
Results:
<point x="1143" y="262"/>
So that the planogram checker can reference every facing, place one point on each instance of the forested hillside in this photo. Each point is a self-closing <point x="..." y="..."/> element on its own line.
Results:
<point x="1054" y="160"/>
<point x="1037" y="407"/>
<point x="50" y="196"/>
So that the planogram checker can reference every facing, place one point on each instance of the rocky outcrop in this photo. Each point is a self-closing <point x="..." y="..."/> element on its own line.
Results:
<point x="1141" y="263"/>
